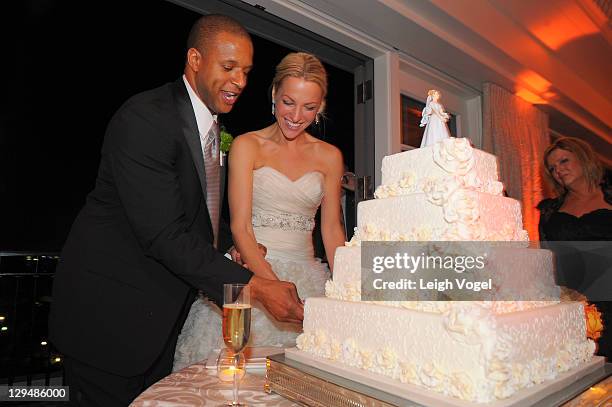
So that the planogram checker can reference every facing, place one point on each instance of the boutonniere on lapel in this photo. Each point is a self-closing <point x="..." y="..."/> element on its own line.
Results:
<point x="226" y="143"/>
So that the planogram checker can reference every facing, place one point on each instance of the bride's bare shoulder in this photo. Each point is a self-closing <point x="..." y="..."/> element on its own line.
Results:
<point x="325" y="150"/>
<point x="257" y="136"/>
<point x="246" y="146"/>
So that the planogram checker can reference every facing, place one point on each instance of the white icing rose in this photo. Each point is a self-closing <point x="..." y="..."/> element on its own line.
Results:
<point x="520" y="375"/>
<point x="408" y="373"/>
<point x="396" y="190"/>
<point x="564" y="360"/>
<point x="305" y="342"/>
<point x="405" y="185"/>
<point x="408" y="180"/>
<point x="471" y="181"/>
<point x="495" y="188"/>
<point x="430" y="376"/>
<point x="436" y="306"/>
<point x="385" y="236"/>
<point x="468" y="323"/>
<point x="381" y="192"/>
<point x="461" y="386"/>
<point x="404" y="237"/>
<point x="370" y="228"/>
<point x="335" y="350"/>
<point x="504" y="348"/>
<point x="409" y="304"/>
<point x="355" y="240"/>
<point x="503" y="390"/>
<point x="454" y="155"/>
<point x="541" y="371"/>
<point x="331" y="289"/>
<point x="386" y="358"/>
<point x="498" y="373"/>
<point x="589" y="349"/>
<point x="348" y="291"/>
<point x="369" y="233"/>
<point x="367" y="359"/>
<point x="352" y="291"/>
<point x="320" y="338"/>
<point x="422" y="233"/>
<point x="461" y="207"/>
<point x="438" y="190"/>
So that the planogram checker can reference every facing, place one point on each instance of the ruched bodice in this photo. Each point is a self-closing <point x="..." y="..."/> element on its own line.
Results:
<point x="284" y="210"/>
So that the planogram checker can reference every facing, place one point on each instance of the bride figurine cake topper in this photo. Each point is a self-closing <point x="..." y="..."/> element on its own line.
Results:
<point x="434" y="119"/>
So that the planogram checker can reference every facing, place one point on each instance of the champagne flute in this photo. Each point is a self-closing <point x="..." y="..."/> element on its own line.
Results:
<point x="236" y="325"/>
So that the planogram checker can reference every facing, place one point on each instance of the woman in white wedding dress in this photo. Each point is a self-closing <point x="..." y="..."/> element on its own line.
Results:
<point x="278" y="177"/>
<point x="434" y="118"/>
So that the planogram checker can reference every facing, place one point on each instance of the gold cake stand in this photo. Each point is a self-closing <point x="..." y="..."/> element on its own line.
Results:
<point x="309" y="386"/>
<point x="314" y="387"/>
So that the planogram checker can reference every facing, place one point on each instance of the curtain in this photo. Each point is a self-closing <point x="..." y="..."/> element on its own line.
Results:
<point x="517" y="133"/>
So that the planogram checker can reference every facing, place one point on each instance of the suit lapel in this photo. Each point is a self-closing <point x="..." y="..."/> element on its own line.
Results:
<point x="190" y="130"/>
<point x="224" y="170"/>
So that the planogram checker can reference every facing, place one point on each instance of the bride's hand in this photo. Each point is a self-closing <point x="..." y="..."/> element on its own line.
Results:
<point x="280" y="298"/>
<point x="263" y="249"/>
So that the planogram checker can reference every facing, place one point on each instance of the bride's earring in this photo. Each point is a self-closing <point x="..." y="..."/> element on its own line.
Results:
<point x="273" y="105"/>
<point x="317" y="119"/>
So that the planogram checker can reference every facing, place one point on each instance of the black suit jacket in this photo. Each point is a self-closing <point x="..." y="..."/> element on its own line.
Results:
<point x="142" y="240"/>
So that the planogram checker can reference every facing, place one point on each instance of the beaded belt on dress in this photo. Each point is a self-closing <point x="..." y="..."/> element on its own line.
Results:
<point x="283" y="221"/>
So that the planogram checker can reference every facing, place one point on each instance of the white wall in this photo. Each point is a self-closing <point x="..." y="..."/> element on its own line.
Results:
<point x="387" y="112"/>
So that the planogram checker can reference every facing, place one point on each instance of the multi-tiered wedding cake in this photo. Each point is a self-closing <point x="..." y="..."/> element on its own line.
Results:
<point x="472" y="350"/>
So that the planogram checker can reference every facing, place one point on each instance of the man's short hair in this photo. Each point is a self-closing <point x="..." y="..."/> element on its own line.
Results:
<point x="206" y="28"/>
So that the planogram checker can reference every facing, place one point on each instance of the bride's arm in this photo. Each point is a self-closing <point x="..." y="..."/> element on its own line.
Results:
<point x="331" y="223"/>
<point x="242" y="159"/>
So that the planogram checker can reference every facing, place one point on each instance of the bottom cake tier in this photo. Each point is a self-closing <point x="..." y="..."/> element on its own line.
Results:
<point x="467" y="352"/>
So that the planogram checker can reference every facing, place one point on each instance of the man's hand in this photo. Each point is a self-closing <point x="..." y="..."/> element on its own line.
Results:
<point x="280" y="298"/>
<point x="238" y="259"/>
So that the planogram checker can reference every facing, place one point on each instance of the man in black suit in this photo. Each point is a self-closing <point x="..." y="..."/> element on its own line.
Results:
<point x="146" y="237"/>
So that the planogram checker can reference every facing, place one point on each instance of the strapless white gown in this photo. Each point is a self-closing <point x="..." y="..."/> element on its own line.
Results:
<point x="283" y="219"/>
<point x="435" y="118"/>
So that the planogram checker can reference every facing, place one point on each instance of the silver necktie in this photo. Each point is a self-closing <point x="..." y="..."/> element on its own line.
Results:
<point x="213" y="177"/>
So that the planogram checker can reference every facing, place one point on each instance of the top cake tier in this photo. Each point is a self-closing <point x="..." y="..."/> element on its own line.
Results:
<point x="447" y="191"/>
<point x="451" y="159"/>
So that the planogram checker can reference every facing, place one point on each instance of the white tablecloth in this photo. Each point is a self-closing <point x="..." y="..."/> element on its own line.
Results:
<point x="197" y="386"/>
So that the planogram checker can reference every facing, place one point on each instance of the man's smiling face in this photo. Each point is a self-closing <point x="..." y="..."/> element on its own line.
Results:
<point x="221" y="70"/>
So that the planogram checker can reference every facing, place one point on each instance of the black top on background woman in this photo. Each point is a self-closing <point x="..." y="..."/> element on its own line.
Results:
<point x="582" y="211"/>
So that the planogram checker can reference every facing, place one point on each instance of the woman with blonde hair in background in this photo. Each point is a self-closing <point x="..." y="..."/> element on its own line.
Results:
<point x="278" y="178"/>
<point x="582" y="211"/>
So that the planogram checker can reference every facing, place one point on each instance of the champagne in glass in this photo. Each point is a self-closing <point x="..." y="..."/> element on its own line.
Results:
<point x="236" y="325"/>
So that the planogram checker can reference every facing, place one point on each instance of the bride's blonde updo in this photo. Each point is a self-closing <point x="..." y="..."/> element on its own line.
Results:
<point x="302" y="65"/>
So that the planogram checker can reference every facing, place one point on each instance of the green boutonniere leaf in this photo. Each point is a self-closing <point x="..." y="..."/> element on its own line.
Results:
<point x="226" y="140"/>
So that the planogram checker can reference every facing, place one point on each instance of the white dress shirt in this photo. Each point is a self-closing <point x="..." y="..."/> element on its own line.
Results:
<point x="204" y="118"/>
